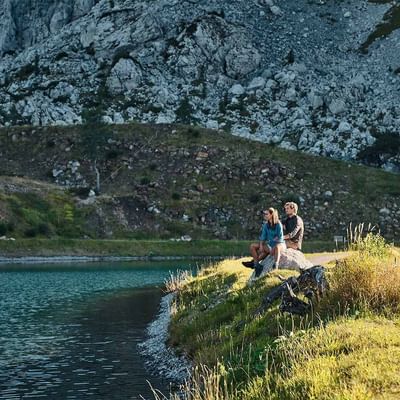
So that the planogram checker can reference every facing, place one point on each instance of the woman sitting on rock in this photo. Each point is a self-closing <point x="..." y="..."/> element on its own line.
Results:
<point x="272" y="233"/>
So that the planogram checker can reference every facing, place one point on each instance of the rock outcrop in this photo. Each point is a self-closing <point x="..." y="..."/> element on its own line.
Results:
<point x="310" y="76"/>
<point x="290" y="259"/>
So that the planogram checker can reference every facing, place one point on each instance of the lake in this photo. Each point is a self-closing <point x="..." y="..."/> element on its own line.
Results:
<point x="71" y="331"/>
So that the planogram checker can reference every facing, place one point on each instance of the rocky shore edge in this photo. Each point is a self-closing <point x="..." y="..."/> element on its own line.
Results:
<point x="160" y="358"/>
<point x="84" y="259"/>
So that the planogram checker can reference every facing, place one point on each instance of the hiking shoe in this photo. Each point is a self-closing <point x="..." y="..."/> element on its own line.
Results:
<point x="248" y="264"/>
<point x="258" y="269"/>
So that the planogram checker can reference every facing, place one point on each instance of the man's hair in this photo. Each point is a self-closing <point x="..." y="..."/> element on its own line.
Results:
<point x="292" y="205"/>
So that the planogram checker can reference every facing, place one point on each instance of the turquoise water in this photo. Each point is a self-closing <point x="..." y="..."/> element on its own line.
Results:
<point x="71" y="331"/>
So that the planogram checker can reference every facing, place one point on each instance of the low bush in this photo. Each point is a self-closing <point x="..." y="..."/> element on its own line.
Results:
<point x="365" y="284"/>
<point x="367" y="281"/>
<point x="3" y="228"/>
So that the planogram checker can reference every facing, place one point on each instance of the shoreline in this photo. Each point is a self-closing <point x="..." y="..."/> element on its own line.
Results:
<point x="88" y="259"/>
<point x="162" y="359"/>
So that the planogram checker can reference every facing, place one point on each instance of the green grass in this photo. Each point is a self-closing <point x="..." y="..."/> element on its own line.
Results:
<point x="144" y="164"/>
<point x="348" y="348"/>
<point x="32" y="214"/>
<point x="126" y="247"/>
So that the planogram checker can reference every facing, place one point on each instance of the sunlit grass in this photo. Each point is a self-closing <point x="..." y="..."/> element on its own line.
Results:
<point x="349" y="348"/>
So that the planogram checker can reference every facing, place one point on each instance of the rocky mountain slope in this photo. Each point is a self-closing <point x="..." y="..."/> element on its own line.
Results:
<point x="166" y="181"/>
<point x="318" y="76"/>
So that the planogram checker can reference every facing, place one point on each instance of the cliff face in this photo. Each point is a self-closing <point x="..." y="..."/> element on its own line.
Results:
<point x="26" y="23"/>
<point x="312" y="76"/>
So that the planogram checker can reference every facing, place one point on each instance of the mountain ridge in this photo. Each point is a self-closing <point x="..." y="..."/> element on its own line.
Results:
<point x="312" y="76"/>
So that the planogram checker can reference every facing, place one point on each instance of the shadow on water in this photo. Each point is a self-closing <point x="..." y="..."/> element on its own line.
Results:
<point x="72" y="333"/>
<point x="390" y="22"/>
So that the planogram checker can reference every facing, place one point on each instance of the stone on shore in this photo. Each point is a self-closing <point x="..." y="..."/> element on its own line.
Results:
<point x="290" y="259"/>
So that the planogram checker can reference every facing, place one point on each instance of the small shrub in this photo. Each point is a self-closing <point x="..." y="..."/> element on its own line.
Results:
<point x="112" y="154"/>
<point x="176" y="196"/>
<point x="255" y="198"/>
<point x="82" y="192"/>
<point x="193" y="132"/>
<point x="43" y="229"/>
<point x="68" y="213"/>
<point x="3" y="228"/>
<point x="184" y="113"/>
<point x="60" y="56"/>
<point x="387" y="144"/>
<point x="364" y="240"/>
<point x="254" y="125"/>
<point x="91" y="50"/>
<point x="31" y="232"/>
<point x="367" y="281"/>
<point x="31" y="216"/>
<point x="144" y="180"/>
<point x="152" y="166"/>
<point x="27" y="70"/>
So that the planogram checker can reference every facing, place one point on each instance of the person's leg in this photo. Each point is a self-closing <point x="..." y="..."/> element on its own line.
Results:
<point x="277" y="253"/>
<point x="254" y="250"/>
<point x="263" y="252"/>
<point x="291" y="245"/>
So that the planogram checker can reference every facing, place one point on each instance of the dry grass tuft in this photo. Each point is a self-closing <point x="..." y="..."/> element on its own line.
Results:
<point x="369" y="280"/>
<point x="177" y="280"/>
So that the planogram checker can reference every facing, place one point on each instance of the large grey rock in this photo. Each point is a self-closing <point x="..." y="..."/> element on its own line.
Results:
<point x="276" y="10"/>
<point x="337" y="106"/>
<point x="290" y="259"/>
<point x="124" y="77"/>
<point x="237" y="89"/>
<point x="256" y="83"/>
<point x="240" y="61"/>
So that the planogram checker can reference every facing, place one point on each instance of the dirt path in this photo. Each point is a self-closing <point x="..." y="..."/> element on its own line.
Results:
<point x="325" y="258"/>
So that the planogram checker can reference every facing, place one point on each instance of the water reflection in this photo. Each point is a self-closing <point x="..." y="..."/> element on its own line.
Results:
<point x="71" y="332"/>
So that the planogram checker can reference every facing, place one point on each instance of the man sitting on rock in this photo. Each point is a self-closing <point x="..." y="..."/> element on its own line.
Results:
<point x="293" y="227"/>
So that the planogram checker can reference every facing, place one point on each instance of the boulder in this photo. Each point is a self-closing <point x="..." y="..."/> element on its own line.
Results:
<point x="344" y="127"/>
<point x="337" y="106"/>
<point x="256" y="83"/>
<point x="315" y="100"/>
<point x="240" y="61"/>
<point x="237" y="90"/>
<point x="124" y="77"/>
<point x="290" y="259"/>
<point x="276" y="11"/>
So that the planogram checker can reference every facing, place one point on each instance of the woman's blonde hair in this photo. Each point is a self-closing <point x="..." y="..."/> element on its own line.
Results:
<point x="275" y="216"/>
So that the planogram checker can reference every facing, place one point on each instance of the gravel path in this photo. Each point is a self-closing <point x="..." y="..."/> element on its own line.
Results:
<point x="325" y="258"/>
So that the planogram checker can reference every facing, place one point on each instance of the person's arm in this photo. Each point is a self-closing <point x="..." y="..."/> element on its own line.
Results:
<point x="296" y="229"/>
<point x="279" y="233"/>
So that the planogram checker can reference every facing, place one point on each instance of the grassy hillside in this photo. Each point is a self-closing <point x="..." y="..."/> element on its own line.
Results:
<point x="162" y="181"/>
<point x="347" y="348"/>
